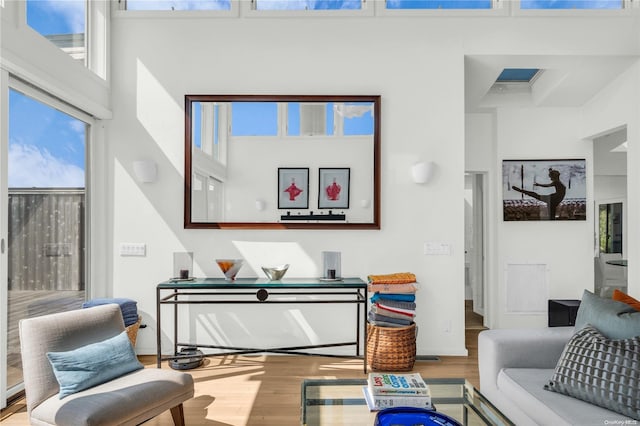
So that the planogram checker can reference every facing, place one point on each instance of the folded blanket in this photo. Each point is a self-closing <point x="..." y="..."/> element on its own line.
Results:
<point x="393" y="288"/>
<point x="395" y="278"/>
<point x="128" y="307"/>
<point x="378" y="317"/>
<point x="408" y="297"/>
<point x="379" y="310"/>
<point x="396" y="304"/>
<point x="408" y="312"/>
<point x="386" y="324"/>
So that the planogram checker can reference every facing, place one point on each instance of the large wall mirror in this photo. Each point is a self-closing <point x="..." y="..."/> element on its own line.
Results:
<point x="269" y="162"/>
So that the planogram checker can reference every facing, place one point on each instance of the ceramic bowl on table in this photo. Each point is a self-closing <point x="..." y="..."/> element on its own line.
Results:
<point x="229" y="267"/>
<point x="275" y="273"/>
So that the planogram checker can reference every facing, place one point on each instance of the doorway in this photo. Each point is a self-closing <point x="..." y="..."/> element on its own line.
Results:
<point x="475" y="247"/>
<point x="44" y="217"/>
<point x="610" y="205"/>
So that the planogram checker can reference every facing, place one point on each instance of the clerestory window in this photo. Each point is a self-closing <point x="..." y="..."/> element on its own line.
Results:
<point x="307" y="4"/>
<point x="63" y="23"/>
<point x="176" y="4"/>
<point x="438" y="4"/>
<point x="571" y="4"/>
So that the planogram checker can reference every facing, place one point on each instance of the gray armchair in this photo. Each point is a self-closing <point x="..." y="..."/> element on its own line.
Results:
<point x="127" y="400"/>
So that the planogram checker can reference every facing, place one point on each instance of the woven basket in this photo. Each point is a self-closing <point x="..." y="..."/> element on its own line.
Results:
<point x="132" y="330"/>
<point x="391" y="348"/>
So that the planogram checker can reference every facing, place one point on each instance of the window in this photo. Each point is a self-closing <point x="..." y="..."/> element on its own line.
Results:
<point x="571" y="4"/>
<point x="178" y="5"/>
<point x="206" y="136"/>
<point x="438" y="4"/>
<point x="47" y="238"/>
<point x="309" y="119"/>
<point x="517" y="75"/>
<point x="61" y="22"/>
<point x="298" y="119"/>
<point x="357" y="118"/>
<point x="307" y="4"/>
<point x="254" y="119"/>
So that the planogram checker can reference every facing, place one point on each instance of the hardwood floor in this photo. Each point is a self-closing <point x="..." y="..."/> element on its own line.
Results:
<point x="264" y="390"/>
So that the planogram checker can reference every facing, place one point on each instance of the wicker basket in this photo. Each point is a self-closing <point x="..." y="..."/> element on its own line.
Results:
<point x="391" y="348"/>
<point x="132" y="330"/>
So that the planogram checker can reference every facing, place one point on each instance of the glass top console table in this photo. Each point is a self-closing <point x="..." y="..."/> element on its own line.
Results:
<point x="262" y="291"/>
<point x="333" y="402"/>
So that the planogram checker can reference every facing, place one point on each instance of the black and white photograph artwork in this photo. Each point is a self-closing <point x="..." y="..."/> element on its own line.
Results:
<point x="544" y="190"/>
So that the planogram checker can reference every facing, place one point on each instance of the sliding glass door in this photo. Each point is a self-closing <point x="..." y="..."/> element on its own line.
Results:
<point x="46" y="211"/>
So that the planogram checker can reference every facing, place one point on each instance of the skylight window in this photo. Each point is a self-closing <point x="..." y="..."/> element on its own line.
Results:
<point x="571" y="4"/>
<point x="517" y="75"/>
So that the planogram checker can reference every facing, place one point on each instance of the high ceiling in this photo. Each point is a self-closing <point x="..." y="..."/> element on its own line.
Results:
<point x="566" y="81"/>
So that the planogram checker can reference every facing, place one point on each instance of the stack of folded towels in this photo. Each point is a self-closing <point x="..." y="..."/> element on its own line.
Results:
<point x="128" y="307"/>
<point x="393" y="300"/>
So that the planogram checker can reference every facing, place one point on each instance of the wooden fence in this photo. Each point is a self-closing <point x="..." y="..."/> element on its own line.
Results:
<point x="46" y="239"/>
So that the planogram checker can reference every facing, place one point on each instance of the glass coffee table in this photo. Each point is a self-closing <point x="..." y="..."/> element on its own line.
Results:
<point x="332" y="402"/>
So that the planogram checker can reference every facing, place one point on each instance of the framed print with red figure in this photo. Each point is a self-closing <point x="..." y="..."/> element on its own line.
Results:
<point x="293" y="188"/>
<point x="333" y="191"/>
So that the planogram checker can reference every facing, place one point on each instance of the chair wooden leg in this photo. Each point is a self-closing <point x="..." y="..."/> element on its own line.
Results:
<point x="177" y="413"/>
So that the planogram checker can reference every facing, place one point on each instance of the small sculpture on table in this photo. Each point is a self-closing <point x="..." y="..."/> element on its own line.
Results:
<point x="230" y="267"/>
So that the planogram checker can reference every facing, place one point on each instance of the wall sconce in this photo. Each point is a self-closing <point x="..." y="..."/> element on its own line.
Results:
<point x="260" y="205"/>
<point x="422" y="172"/>
<point x="146" y="171"/>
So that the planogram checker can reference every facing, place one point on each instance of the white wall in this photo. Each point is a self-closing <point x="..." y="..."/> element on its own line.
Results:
<point x="417" y="66"/>
<point x="253" y="56"/>
<point x="614" y="107"/>
<point x="563" y="246"/>
<point x="255" y="175"/>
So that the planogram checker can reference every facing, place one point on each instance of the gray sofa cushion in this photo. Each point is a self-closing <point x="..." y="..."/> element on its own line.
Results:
<point x="524" y="387"/>
<point x="601" y="371"/>
<point x="616" y="320"/>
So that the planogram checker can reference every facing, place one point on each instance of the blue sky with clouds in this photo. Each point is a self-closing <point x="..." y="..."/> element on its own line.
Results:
<point x="46" y="146"/>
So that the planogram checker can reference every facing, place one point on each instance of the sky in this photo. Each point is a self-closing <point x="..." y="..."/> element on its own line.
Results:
<point x="49" y="151"/>
<point x="46" y="146"/>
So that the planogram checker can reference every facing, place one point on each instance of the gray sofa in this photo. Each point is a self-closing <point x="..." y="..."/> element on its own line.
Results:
<point x="514" y="366"/>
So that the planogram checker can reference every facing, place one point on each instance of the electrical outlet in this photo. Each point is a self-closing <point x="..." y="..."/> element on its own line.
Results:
<point x="133" y="249"/>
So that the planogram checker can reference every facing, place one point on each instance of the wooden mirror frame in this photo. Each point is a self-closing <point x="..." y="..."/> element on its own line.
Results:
<point x="375" y="203"/>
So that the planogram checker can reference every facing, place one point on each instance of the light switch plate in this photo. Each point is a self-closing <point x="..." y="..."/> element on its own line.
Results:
<point x="437" y="249"/>
<point x="133" y="249"/>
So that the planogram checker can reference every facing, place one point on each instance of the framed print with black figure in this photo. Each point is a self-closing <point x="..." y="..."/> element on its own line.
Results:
<point x="534" y="190"/>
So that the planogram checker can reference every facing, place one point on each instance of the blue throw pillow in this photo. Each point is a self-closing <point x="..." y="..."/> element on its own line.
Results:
<point x="615" y="320"/>
<point x="91" y="365"/>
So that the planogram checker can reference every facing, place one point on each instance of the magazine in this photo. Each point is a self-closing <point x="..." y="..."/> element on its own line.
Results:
<point x="397" y="384"/>
<point x="380" y="402"/>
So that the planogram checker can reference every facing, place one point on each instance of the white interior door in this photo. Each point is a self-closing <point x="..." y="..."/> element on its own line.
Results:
<point x="474" y="241"/>
<point x="477" y="267"/>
